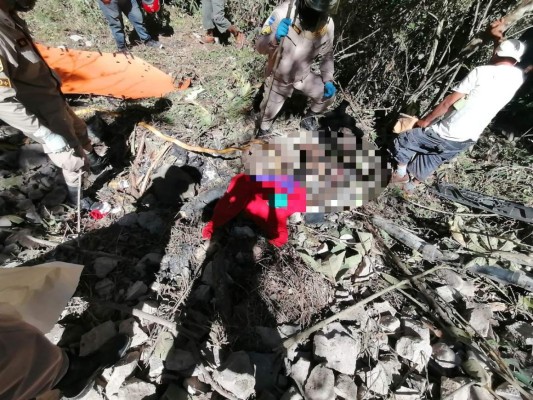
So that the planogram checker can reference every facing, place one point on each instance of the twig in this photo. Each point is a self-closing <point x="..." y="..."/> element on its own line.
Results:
<point x="141" y="314"/>
<point x="451" y="213"/>
<point x="160" y="155"/>
<point x="287" y="344"/>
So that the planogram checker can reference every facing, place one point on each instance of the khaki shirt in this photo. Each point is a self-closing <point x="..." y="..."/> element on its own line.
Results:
<point x="30" y="94"/>
<point x="300" y="48"/>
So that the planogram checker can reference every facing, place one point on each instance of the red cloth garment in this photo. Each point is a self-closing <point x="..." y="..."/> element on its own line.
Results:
<point x="246" y="195"/>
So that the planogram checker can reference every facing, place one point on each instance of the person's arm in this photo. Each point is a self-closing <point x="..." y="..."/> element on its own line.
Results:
<point x="232" y="203"/>
<point x="461" y="90"/>
<point x="266" y="42"/>
<point x="327" y="68"/>
<point x="440" y="110"/>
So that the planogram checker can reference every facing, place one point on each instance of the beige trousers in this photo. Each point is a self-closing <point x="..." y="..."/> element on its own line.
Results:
<point x="63" y="122"/>
<point x="273" y="99"/>
<point x="29" y="364"/>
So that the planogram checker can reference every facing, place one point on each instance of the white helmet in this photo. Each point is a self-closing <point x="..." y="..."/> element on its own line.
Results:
<point x="511" y="48"/>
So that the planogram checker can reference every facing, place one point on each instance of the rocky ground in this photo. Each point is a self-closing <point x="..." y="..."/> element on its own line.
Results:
<point x="230" y="318"/>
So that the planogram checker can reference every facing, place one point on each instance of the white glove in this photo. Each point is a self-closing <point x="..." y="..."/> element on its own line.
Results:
<point x="54" y="143"/>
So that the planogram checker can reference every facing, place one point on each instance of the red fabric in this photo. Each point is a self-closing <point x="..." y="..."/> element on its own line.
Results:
<point x="250" y="197"/>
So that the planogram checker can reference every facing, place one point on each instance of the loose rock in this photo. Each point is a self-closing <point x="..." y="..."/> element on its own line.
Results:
<point x="237" y="375"/>
<point x="320" y="385"/>
<point x="337" y="348"/>
<point x="414" y="349"/>
<point x="345" y="387"/>
<point x="444" y="356"/>
<point x="179" y="360"/>
<point x="121" y="372"/>
<point x="96" y="337"/>
<point x="131" y="328"/>
<point x="137" y="389"/>
<point x="136" y="290"/>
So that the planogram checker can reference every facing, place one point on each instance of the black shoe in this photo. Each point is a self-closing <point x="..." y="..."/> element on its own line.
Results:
<point x="262" y="133"/>
<point x="72" y="195"/>
<point x="96" y="162"/>
<point x="310" y="121"/>
<point x="82" y="371"/>
<point x="153" y="44"/>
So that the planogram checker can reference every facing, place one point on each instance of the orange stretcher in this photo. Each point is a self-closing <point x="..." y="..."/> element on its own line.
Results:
<point x="108" y="74"/>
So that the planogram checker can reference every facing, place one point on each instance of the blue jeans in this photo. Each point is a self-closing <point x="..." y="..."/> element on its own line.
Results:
<point x="423" y="150"/>
<point x="113" y="13"/>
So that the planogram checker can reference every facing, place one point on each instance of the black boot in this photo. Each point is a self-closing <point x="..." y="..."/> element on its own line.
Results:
<point x="310" y="121"/>
<point x="72" y="196"/>
<point x="97" y="163"/>
<point x="262" y="133"/>
<point x="82" y="371"/>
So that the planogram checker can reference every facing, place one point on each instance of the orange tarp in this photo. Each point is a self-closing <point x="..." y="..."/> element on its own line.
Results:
<point x="108" y="74"/>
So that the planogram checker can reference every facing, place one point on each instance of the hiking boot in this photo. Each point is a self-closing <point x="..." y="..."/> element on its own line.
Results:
<point x="154" y="44"/>
<point x="238" y="35"/>
<point x="208" y="38"/>
<point x="309" y="121"/>
<point x="397" y="179"/>
<point x="97" y="163"/>
<point x="82" y="371"/>
<point x="262" y="133"/>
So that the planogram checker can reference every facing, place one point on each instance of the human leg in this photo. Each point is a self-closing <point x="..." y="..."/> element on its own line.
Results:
<point x="113" y="16"/>
<point x="313" y="87"/>
<point x="273" y="99"/>
<point x="131" y="9"/>
<point x="218" y="16"/>
<point x="29" y="363"/>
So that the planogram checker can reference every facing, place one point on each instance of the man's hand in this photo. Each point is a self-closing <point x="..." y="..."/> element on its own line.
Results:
<point x="283" y="28"/>
<point x="496" y="29"/>
<point x="422" y="123"/>
<point x="329" y="90"/>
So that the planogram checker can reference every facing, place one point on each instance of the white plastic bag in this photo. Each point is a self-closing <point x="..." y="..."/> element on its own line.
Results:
<point x="38" y="294"/>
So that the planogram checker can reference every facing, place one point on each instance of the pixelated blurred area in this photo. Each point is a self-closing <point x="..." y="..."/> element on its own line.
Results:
<point x="339" y="171"/>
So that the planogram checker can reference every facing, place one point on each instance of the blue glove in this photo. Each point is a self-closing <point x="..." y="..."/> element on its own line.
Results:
<point x="329" y="90"/>
<point x="283" y="28"/>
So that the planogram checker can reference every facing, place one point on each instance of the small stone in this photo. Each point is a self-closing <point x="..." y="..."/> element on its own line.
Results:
<point x="321" y="384"/>
<point x="194" y="386"/>
<point x="149" y="261"/>
<point x="414" y="349"/>
<point x="365" y="271"/>
<point x="179" y="360"/>
<point x="337" y="348"/>
<point x="508" y="392"/>
<point x="156" y="367"/>
<point x="237" y="375"/>
<point x="377" y="380"/>
<point x="389" y="323"/>
<point x="300" y="371"/>
<point x="292" y="394"/>
<point x="405" y="393"/>
<point x="384" y="308"/>
<point x="345" y="387"/>
<point x="121" y="372"/>
<point x="131" y="328"/>
<point x="479" y="319"/>
<point x="105" y="287"/>
<point x="444" y="356"/>
<point x="136" y="290"/>
<point x="96" y="337"/>
<point x="446" y="293"/>
<point x="136" y="389"/>
<point x="54" y="336"/>
<point x="104" y="265"/>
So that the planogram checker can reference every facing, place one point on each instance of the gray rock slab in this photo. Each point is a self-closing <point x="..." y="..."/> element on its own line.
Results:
<point x="321" y="384"/>
<point x="96" y="337"/>
<point x="237" y="375"/>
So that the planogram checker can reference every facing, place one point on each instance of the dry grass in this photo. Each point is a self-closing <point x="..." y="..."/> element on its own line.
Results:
<point x="292" y="292"/>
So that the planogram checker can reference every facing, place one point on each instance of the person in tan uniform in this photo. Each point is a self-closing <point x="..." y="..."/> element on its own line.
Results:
<point x="308" y="34"/>
<point x="30" y="365"/>
<point x="31" y="99"/>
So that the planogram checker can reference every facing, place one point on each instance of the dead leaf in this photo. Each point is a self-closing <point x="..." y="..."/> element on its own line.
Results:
<point x="455" y="229"/>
